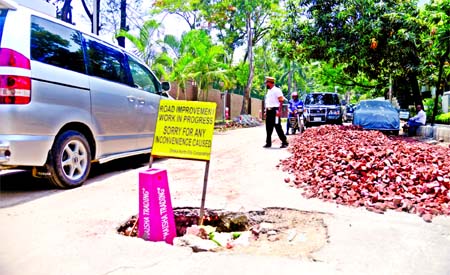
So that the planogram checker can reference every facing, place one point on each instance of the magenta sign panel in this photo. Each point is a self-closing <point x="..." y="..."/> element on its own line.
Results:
<point x="156" y="219"/>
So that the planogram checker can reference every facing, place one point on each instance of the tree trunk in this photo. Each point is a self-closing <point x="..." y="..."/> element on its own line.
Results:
<point x="194" y="92"/>
<point x="86" y="9"/>
<point x="66" y="12"/>
<point x="123" y="22"/>
<point x="290" y="77"/>
<point x="91" y="15"/>
<point x="414" y="84"/>
<point x="440" y="85"/>
<point x="248" y="87"/>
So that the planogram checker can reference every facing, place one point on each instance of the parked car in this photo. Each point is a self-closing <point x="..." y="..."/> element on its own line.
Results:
<point x="404" y="114"/>
<point x="323" y="108"/>
<point x="68" y="98"/>
<point x="377" y="115"/>
<point x="348" y="112"/>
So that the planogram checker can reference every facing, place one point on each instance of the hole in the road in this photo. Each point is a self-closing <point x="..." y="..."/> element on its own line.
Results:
<point x="272" y="231"/>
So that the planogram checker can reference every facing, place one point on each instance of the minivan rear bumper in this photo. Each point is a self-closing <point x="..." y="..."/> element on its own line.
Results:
<point x="24" y="150"/>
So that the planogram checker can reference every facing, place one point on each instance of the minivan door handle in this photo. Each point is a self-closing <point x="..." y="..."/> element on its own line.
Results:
<point x="131" y="98"/>
<point x="141" y="100"/>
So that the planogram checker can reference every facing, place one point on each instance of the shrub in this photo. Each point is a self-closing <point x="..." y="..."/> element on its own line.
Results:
<point x="429" y="105"/>
<point x="443" y="118"/>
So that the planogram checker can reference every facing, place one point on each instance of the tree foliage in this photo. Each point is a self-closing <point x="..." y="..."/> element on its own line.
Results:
<point x="376" y="38"/>
<point x="358" y="46"/>
<point x="144" y="41"/>
<point x="188" y="10"/>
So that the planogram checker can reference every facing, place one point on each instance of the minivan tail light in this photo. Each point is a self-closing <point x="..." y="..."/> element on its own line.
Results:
<point x="11" y="58"/>
<point x="14" y="89"/>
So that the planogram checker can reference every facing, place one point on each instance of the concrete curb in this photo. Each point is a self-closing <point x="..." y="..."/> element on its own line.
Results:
<point x="437" y="132"/>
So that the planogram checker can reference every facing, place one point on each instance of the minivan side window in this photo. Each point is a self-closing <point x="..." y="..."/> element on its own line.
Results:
<point x="105" y="62"/>
<point x="57" y="45"/>
<point x="2" y="21"/>
<point x="142" y="78"/>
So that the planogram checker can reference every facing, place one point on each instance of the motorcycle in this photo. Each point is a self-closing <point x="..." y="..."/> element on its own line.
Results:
<point x="297" y="121"/>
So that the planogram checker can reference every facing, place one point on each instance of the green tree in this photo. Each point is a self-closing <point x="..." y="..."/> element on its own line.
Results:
<point x="144" y="41"/>
<point x="163" y="65"/>
<point x="189" y="10"/>
<point x="241" y="23"/>
<point x="171" y="45"/>
<point x="207" y="63"/>
<point x="378" y="39"/>
<point x="181" y="74"/>
<point x="169" y="55"/>
<point x="436" y="48"/>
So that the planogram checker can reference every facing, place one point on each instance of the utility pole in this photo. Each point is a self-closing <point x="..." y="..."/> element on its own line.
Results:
<point x="123" y="22"/>
<point x="95" y="16"/>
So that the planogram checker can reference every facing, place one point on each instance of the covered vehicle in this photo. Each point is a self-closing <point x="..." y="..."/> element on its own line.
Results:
<point x="377" y="115"/>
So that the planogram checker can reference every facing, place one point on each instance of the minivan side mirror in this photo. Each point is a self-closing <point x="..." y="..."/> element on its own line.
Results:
<point x="165" y="86"/>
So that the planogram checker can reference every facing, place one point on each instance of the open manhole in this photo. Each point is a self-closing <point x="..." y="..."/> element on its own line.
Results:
<point x="272" y="231"/>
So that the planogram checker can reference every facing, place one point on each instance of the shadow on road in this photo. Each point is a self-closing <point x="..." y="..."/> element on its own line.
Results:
<point x="20" y="186"/>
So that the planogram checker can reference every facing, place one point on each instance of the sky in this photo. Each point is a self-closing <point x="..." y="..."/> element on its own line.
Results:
<point x="172" y="24"/>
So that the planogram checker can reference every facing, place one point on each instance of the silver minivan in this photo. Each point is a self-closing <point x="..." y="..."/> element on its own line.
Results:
<point x="68" y="99"/>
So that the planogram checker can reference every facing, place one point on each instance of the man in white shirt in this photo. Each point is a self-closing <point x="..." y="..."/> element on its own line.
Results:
<point x="416" y="121"/>
<point x="273" y="103"/>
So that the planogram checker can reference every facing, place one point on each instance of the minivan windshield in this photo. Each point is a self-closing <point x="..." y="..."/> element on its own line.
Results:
<point x="322" y="99"/>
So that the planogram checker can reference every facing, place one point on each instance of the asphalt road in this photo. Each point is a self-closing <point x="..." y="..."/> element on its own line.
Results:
<point x="18" y="186"/>
<point x="47" y="231"/>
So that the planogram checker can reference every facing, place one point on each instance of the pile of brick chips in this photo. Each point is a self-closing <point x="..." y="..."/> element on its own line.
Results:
<point x="360" y="168"/>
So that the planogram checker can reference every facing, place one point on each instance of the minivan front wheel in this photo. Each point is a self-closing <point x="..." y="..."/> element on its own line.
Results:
<point x="70" y="160"/>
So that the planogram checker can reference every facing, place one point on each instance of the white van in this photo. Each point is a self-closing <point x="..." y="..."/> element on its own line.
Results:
<point x="67" y="98"/>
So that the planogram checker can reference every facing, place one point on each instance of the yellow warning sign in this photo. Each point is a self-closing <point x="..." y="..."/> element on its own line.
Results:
<point x="184" y="129"/>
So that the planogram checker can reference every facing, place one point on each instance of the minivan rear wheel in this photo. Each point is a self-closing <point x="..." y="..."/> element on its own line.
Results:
<point x="70" y="160"/>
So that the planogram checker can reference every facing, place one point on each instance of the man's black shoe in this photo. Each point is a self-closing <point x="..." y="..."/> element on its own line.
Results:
<point x="267" y="146"/>
<point x="284" y="145"/>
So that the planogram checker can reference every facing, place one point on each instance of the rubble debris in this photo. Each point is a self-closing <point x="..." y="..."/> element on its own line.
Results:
<point x="272" y="231"/>
<point x="241" y="121"/>
<point x="360" y="168"/>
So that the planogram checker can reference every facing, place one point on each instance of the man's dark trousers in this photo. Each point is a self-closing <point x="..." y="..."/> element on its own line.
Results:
<point x="270" y="124"/>
<point x="413" y="126"/>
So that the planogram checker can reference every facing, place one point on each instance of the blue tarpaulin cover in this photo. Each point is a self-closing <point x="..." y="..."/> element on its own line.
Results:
<point x="376" y="115"/>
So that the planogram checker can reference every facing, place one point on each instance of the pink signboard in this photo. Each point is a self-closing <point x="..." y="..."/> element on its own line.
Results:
<point x="156" y="219"/>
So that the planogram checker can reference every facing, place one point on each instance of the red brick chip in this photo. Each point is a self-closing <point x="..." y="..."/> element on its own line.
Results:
<point x="351" y="166"/>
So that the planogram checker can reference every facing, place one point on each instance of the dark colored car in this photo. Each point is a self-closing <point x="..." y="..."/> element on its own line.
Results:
<point x="377" y="115"/>
<point x="323" y="108"/>
<point x="348" y="112"/>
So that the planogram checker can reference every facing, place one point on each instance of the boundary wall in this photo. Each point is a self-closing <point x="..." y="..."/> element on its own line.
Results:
<point x="233" y="101"/>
